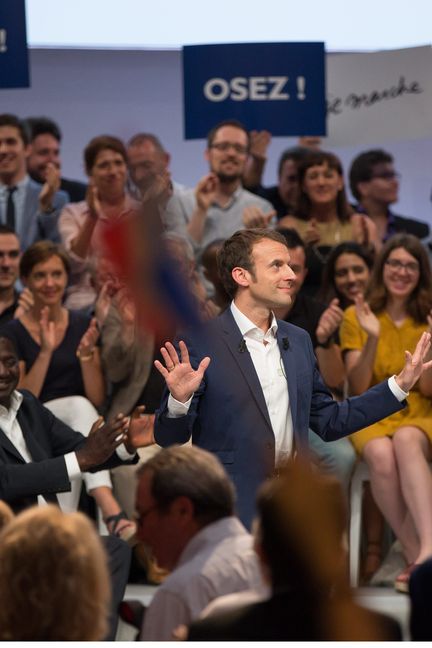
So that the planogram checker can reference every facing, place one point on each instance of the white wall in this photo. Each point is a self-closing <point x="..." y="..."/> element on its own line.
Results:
<point x="90" y="92"/>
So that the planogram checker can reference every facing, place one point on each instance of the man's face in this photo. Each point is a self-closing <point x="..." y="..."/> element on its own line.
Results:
<point x="44" y="150"/>
<point x="298" y="266"/>
<point x="383" y="187"/>
<point x="146" y="160"/>
<point x="288" y="183"/>
<point x="9" y="260"/>
<point x="157" y="528"/>
<point x="270" y="283"/>
<point x="13" y="155"/>
<point x="228" y="153"/>
<point x="9" y="371"/>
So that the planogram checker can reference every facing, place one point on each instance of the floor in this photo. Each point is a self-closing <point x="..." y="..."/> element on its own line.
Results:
<point x="381" y="599"/>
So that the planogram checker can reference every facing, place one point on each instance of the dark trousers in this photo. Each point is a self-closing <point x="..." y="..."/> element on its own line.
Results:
<point x="119" y="558"/>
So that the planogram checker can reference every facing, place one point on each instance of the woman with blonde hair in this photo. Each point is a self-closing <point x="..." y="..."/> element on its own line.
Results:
<point x="54" y="583"/>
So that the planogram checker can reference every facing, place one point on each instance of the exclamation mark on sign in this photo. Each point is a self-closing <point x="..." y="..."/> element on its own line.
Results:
<point x="301" y="85"/>
<point x="3" y="46"/>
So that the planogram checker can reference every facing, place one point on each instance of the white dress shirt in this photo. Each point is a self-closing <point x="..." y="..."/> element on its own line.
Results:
<point x="12" y="429"/>
<point x="267" y="360"/>
<point x="10" y="426"/>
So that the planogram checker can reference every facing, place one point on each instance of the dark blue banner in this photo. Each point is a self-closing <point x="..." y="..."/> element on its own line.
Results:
<point x="14" y="71"/>
<point x="279" y="87"/>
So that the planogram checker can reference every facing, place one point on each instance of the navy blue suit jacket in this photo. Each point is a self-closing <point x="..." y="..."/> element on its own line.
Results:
<point x="229" y="417"/>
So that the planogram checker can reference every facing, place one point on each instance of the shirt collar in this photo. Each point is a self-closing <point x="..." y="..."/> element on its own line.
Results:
<point x="21" y="185"/>
<point x="248" y="328"/>
<point x="233" y="198"/>
<point x="15" y="404"/>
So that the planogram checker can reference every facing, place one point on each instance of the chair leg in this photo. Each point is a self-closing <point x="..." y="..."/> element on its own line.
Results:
<point x="355" y="528"/>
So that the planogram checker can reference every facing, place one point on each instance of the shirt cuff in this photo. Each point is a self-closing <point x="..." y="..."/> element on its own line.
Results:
<point x="397" y="392"/>
<point x="72" y="466"/>
<point x="123" y="453"/>
<point x="176" y="408"/>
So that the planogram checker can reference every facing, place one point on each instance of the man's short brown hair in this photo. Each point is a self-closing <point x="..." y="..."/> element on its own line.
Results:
<point x="237" y="252"/>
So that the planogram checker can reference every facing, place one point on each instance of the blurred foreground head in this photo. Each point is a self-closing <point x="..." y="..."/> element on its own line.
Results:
<point x="301" y="534"/>
<point x="54" y="583"/>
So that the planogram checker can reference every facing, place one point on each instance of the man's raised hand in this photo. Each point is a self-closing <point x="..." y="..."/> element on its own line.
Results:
<point x="415" y="364"/>
<point x="180" y="377"/>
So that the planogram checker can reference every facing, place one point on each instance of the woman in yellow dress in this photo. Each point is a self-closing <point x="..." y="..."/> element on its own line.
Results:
<point x="376" y="333"/>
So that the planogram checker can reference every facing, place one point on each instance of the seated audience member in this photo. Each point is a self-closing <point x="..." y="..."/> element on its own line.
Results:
<point x="322" y="324"/>
<point x="323" y="216"/>
<point x="28" y="208"/>
<point x="54" y="583"/>
<point x="420" y="591"/>
<point x="147" y="158"/>
<point x="6" y="514"/>
<point x="377" y="335"/>
<point x="211" y="274"/>
<point x="282" y="196"/>
<point x="45" y="140"/>
<point x="185" y="513"/>
<point x="12" y="303"/>
<point x="218" y="206"/>
<point x="300" y="542"/>
<point x="60" y="363"/>
<point x="81" y="224"/>
<point x="41" y="457"/>
<point x="181" y="252"/>
<point x="346" y="275"/>
<point x="374" y="184"/>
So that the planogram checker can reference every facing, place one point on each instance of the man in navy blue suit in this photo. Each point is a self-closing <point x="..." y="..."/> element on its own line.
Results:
<point x="228" y="387"/>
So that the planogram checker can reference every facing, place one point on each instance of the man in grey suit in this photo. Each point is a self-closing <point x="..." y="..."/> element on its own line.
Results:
<point x="30" y="209"/>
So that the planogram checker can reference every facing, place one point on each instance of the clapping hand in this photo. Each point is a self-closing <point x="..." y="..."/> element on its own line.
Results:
<point x="206" y="190"/>
<point x="25" y="303"/>
<point x="329" y="321"/>
<point x="312" y="235"/>
<point x="93" y="201"/>
<point x="47" y="331"/>
<point x="141" y="430"/>
<point x="88" y="341"/>
<point x="259" y="143"/>
<point x="49" y="188"/>
<point x="366" y="318"/>
<point x="181" y="379"/>
<point x="253" y="216"/>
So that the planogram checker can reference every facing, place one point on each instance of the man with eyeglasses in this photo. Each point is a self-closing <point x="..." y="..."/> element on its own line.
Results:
<point x="374" y="184"/>
<point x="219" y="205"/>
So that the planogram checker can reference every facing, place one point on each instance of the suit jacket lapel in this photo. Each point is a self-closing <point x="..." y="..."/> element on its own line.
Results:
<point x="232" y="338"/>
<point x="9" y="447"/>
<point x="289" y="363"/>
<point x="37" y="453"/>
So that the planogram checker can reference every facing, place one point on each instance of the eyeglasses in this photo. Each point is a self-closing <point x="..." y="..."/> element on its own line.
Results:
<point x="141" y="516"/>
<point x="387" y="175"/>
<point x="412" y="267"/>
<point x="224" y="146"/>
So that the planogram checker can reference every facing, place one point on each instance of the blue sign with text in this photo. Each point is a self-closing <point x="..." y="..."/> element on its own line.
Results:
<point x="14" y="72"/>
<point x="279" y="87"/>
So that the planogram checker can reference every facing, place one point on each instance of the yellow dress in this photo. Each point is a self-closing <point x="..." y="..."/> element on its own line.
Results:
<point x="389" y="360"/>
